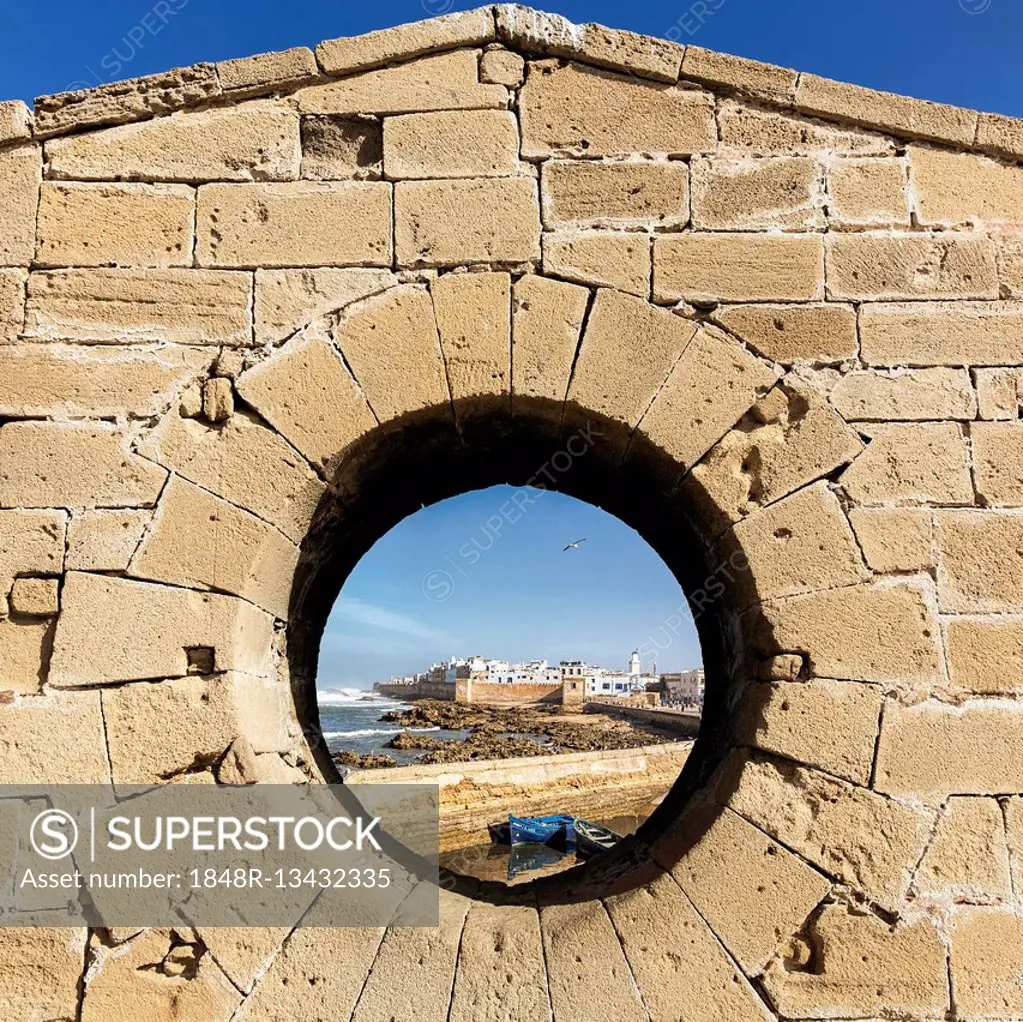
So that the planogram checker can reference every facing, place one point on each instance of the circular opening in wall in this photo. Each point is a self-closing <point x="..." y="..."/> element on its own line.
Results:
<point x="503" y="609"/>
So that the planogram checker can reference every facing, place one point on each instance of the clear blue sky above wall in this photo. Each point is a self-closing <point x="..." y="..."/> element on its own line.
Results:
<point x="965" y="52"/>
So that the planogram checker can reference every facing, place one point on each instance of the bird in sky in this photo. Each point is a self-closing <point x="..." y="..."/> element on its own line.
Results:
<point x="575" y="545"/>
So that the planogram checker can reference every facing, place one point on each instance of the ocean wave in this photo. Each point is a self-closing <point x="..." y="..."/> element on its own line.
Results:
<point x="348" y="696"/>
<point x="365" y="732"/>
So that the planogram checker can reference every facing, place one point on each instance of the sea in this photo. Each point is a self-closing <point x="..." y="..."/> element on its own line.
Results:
<point x="350" y="719"/>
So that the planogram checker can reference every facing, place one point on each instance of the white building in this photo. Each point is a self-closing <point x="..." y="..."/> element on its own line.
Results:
<point x="687" y="687"/>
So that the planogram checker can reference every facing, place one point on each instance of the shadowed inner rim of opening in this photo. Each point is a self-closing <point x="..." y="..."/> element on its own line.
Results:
<point x="405" y="465"/>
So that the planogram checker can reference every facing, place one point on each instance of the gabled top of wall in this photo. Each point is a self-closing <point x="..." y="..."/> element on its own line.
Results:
<point x="532" y="32"/>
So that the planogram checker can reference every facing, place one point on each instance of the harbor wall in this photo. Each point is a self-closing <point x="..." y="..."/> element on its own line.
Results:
<point x="687" y="724"/>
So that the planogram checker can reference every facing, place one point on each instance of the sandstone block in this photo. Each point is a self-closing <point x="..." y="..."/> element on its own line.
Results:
<point x="902" y="115"/>
<point x="547" y="317"/>
<point x="749" y="76"/>
<point x="83" y="224"/>
<point x="24" y="652"/>
<point x="984" y="962"/>
<point x="894" y="539"/>
<point x="49" y="739"/>
<point x="447" y="81"/>
<point x="20" y="174"/>
<point x="1000" y="134"/>
<point x="868" y="841"/>
<point x="626" y="354"/>
<point x="115" y="629"/>
<point x="738" y="267"/>
<point x="217" y="399"/>
<point x="915" y="463"/>
<point x="15" y="121"/>
<point x="752" y="892"/>
<point x="784" y="667"/>
<point x="838" y="631"/>
<point x="1010" y="263"/>
<point x="863" y="967"/>
<point x="336" y="148"/>
<point x="132" y="100"/>
<point x="502" y="67"/>
<point x="868" y="193"/>
<point x="968" y="859"/>
<point x="12" y="304"/>
<point x="473" y="313"/>
<point x="386" y="46"/>
<point x="575" y="111"/>
<point x="287" y="300"/>
<point x="244" y="952"/>
<point x="296" y="224"/>
<point x="59" y="380"/>
<point x="31" y="542"/>
<point x="243" y="462"/>
<point x="176" y="306"/>
<point x="618" y="193"/>
<point x="104" y="540"/>
<point x="980" y="568"/>
<point x="985" y="654"/>
<point x="451" y="144"/>
<point x="761" y="132"/>
<point x="943" y="333"/>
<point x="780" y="192"/>
<point x="684" y="420"/>
<point x="962" y="188"/>
<point x="832" y="725"/>
<point x="791" y="333"/>
<point x="800" y="544"/>
<point x="256" y="141"/>
<point x="307" y="395"/>
<point x="478" y="220"/>
<point x="913" y="394"/>
<point x="40" y="981"/>
<point x="51" y="464"/>
<point x="998" y="462"/>
<point x="266" y="71"/>
<point x="604" y="258"/>
<point x="889" y="267"/>
<point x="200" y="541"/>
<point x="35" y="597"/>
<point x="997" y="393"/>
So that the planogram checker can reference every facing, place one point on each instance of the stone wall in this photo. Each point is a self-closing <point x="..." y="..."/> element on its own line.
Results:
<point x="248" y="308"/>
<point x="684" y="723"/>
<point x="513" y="694"/>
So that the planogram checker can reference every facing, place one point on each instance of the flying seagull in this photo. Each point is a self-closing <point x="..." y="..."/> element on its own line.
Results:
<point x="575" y="545"/>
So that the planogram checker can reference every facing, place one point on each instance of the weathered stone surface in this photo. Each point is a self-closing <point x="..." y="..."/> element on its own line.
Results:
<point x="266" y="71"/>
<point x="20" y="173"/>
<point x="894" y="539"/>
<point x="683" y="420"/>
<point x="502" y="67"/>
<point x="307" y="395"/>
<point x="42" y="966"/>
<point x="200" y="541"/>
<point x="336" y="148"/>
<point x="48" y="739"/>
<point x="917" y="463"/>
<point x="547" y="316"/>
<point x="604" y="258"/>
<point x="287" y="300"/>
<point x="296" y="224"/>
<point x="933" y="750"/>
<point x="783" y="667"/>
<point x="449" y="144"/>
<point x="942" y="333"/>
<point x="886" y="267"/>
<point x="31" y="542"/>
<point x="832" y="725"/>
<point x="914" y="394"/>
<point x="839" y="631"/>
<point x="738" y="267"/>
<point x="256" y="141"/>
<point x="615" y="193"/>
<point x="501" y="973"/>
<point x="574" y="110"/>
<point x="24" y="651"/>
<point x="478" y="220"/>
<point x="1000" y="134"/>
<point x="463" y="28"/>
<point x="393" y="337"/>
<point x="626" y="354"/>
<point x="959" y="188"/>
<point x="868" y="193"/>
<point x="12" y="304"/>
<point x="60" y="380"/>
<point x="862" y="966"/>
<point x="979" y="566"/>
<point x="217" y="399"/>
<point x="752" y="892"/>
<point x="985" y="962"/>
<point x="245" y="463"/>
<point x="178" y="306"/>
<point x="115" y="629"/>
<point x="48" y="464"/>
<point x="473" y="313"/>
<point x="792" y="333"/>
<point x="781" y="192"/>
<point x="985" y="654"/>
<point x="968" y="858"/>
<point x="244" y="952"/>
<point x="1009" y="245"/>
<point x="448" y="81"/>
<point x="104" y="540"/>
<point x="752" y="76"/>
<point x="15" y="120"/>
<point x="998" y="463"/>
<point x="35" y="597"/>
<point x="868" y="841"/>
<point x="997" y="393"/>
<point x="586" y="968"/>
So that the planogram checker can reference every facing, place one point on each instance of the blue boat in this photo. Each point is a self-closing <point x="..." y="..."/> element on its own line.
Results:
<point x="558" y="831"/>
